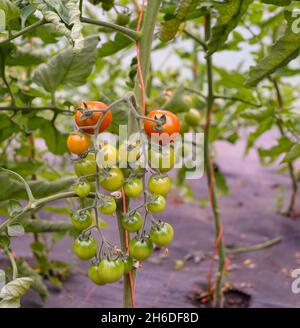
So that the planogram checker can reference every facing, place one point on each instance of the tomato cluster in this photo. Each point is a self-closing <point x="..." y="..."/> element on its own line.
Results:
<point x="98" y="168"/>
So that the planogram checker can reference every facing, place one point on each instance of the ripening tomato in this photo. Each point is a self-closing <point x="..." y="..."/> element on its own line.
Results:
<point x="111" y="270"/>
<point x="78" y="143"/>
<point x="82" y="189"/>
<point x="94" y="275"/>
<point x="162" y="234"/>
<point x="128" y="264"/>
<point x="85" y="248"/>
<point x="157" y="203"/>
<point x="133" y="223"/>
<point x="114" y="181"/>
<point x="92" y="121"/>
<point x="133" y="188"/>
<point x="192" y="117"/>
<point x="171" y="127"/>
<point x="164" y="159"/>
<point x="159" y="185"/>
<point x="82" y="220"/>
<point x="108" y="206"/>
<point x="107" y="156"/>
<point x="140" y="248"/>
<point x="86" y="166"/>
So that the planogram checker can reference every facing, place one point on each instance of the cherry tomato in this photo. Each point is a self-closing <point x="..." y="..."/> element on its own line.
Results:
<point x="86" y="166"/>
<point x="128" y="264"/>
<point x="114" y="181"/>
<point x="81" y="221"/>
<point x="78" y="143"/>
<point x="162" y="234"/>
<point x="192" y="117"/>
<point x="133" y="188"/>
<point x="163" y="160"/>
<point x="82" y="189"/>
<point x="131" y="154"/>
<point x="107" y="5"/>
<point x="94" y="275"/>
<point x="171" y="127"/>
<point x="85" y="248"/>
<point x="133" y="223"/>
<point x="107" y="156"/>
<point x="108" y="206"/>
<point x="92" y="121"/>
<point x="111" y="270"/>
<point x="158" y="204"/>
<point x="159" y="185"/>
<point x="140" y="249"/>
<point x="122" y="19"/>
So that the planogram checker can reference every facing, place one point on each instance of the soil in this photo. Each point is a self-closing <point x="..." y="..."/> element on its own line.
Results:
<point x="249" y="217"/>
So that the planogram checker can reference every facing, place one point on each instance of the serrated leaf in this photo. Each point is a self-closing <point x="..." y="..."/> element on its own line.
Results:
<point x="16" y="288"/>
<point x="230" y="13"/>
<point x="15" y="230"/>
<point x="264" y="126"/>
<point x="293" y="154"/>
<point x="67" y="67"/>
<point x="267" y="156"/>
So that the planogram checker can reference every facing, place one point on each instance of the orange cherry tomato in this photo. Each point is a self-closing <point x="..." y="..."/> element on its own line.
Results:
<point x="92" y="121"/>
<point x="171" y="127"/>
<point x="78" y="143"/>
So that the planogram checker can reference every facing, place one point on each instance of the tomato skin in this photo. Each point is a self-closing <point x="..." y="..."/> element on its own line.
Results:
<point x="128" y="264"/>
<point x="111" y="270"/>
<point x="86" y="166"/>
<point x="140" y="249"/>
<point x="114" y="181"/>
<point x="94" y="275"/>
<point x="82" y="189"/>
<point x="192" y="117"/>
<point x="107" y="156"/>
<point x="158" y="204"/>
<point x="162" y="235"/>
<point x="78" y="143"/>
<point x="133" y="223"/>
<point x="108" y="207"/>
<point x="91" y="121"/>
<point x="159" y="185"/>
<point x="133" y="188"/>
<point x="171" y="127"/>
<point x="85" y="249"/>
<point x="81" y="221"/>
<point x="163" y="160"/>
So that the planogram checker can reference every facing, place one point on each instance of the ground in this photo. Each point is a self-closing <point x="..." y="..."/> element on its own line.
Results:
<point x="249" y="217"/>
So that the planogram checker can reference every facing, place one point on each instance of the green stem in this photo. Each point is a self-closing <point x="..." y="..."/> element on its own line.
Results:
<point x="131" y="34"/>
<point x="13" y="264"/>
<point x="209" y="170"/>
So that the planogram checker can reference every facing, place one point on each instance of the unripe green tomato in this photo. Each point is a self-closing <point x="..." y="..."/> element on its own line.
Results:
<point x="192" y="117"/>
<point x="108" y="207"/>
<point x="122" y="19"/>
<point x="159" y="185"/>
<point x="133" y="188"/>
<point x="82" y="189"/>
<point x="86" y="166"/>
<point x="94" y="275"/>
<point x="111" y="270"/>
<point x="85" y="248"/>
<point x="140" y="249"/>
<point x="128" y="264"/>
<point x="81" y="221"/>
<point x="133" y="223"/>
<point x="107" y="4"/>
<point x="114" y="181"/>
<point x="162" y="235"/>
<point x="158" y="204"/>
<point x="163" y="160"/>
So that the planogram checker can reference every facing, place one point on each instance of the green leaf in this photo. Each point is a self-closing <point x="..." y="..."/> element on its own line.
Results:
<point x="55" y="140"/>
<point x="13" y="302"/>
<point x="277" y="2"/>
<point x="26" y="57"/>
<point x="113" y="46"/>
<point x="257" y="114"/>
<point x="264" y="126"/>
<point x="285" y="49"/>
<point x="16" y="288"/>
<point x="14" y="207"/>
<point x="230" y="13"/>
<point x="4" y="242"/>
<point x="10" y="9"/>
<point x="67" y="67"/>
<point x="268" y="156"/>
<point x="293" y="154"/>
<point x="15" y="230"/>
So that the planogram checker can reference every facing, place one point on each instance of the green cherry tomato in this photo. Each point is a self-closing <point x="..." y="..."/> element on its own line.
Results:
<point x="94" y="275"/>
<point x="114" y="181"/>
<point x="163" y="160"/>
<point x="158" y="204"/>
<point x="107" y="5"/>
<point x="128" y="264"/>
<point x="111" y="270"/>
<point x="85" y="248"/>
<point x="82" y="189"/>
<point x="140" y="249"/>
<point x="133" y="188"/>
<point x="86" y="166"/>
<point x="162" y="235"/>
<point x="192" y="117"/>
<point x="81" y="221"/>
<point x="133" y="223"/>
<point x="159" y="185"/>
<point x="122" y="19"/>
<point x="108" y="206"/>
